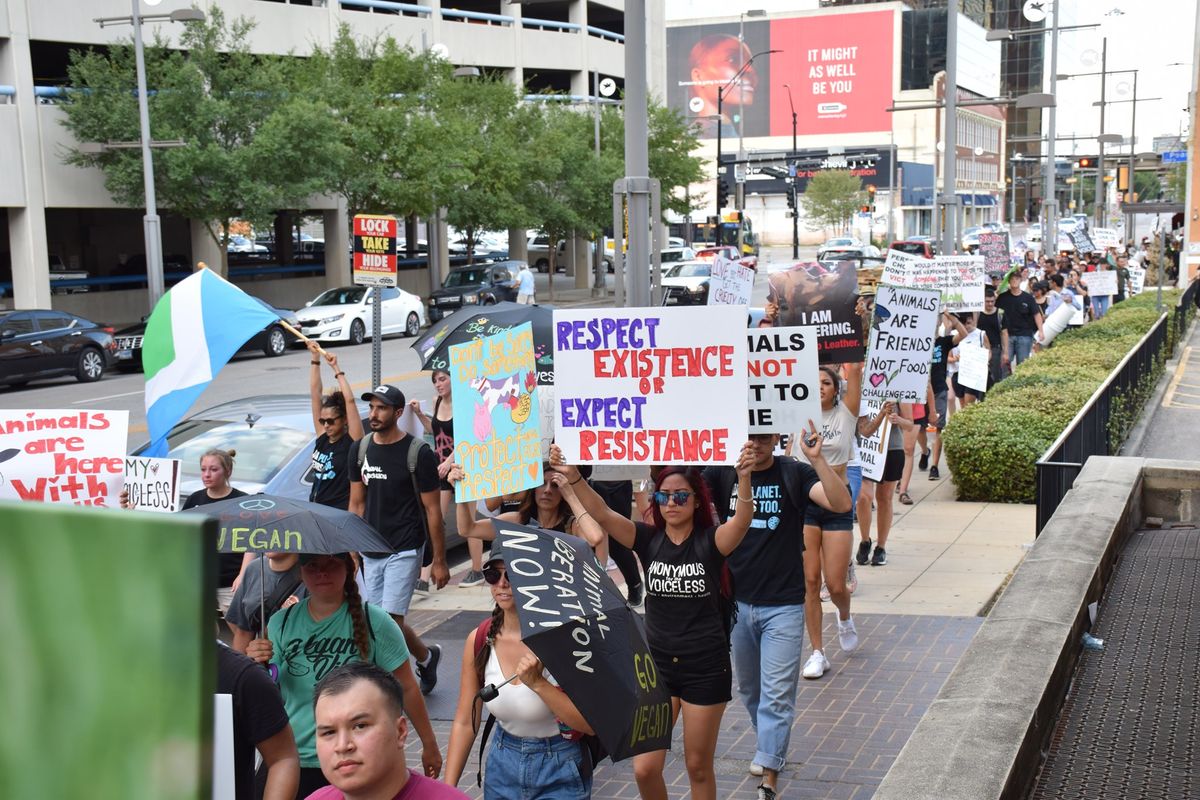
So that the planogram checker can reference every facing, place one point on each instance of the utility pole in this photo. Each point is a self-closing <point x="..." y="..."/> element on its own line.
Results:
<point x="794" y="180"/>
<point x="1101" y="209"/>
<point x="1130" y="182"/>
<point x="637" y="156"/>
<point x="950" y="138"/>
<point x="1050" y="173"/>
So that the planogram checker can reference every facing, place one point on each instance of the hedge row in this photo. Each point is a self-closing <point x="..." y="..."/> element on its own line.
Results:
<point x="992" y="447"/>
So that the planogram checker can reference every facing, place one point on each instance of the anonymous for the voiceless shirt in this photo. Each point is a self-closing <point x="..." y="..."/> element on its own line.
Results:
<point x="683" y="585"/>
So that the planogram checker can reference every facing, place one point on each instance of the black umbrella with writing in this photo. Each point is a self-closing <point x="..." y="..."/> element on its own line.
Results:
<point x="575" y="620"/>
<point x="474" y="322"/>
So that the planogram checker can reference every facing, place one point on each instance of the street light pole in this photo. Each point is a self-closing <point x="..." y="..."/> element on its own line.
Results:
<point x="1130" y="182"/>
<point x="151" y="223"/>
<point x="1050" y="199"/>
<point x="950" y="138"/>
<point x="794" y="178"/>
<point x="637" y="157"/>
<point x="1101" y="206"/>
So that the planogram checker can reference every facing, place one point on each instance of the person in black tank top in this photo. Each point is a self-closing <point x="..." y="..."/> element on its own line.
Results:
<point x="338" y="426"/>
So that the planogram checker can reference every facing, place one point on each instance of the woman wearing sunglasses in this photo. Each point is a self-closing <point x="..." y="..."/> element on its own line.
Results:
<point x="528" y="757"/>
<point x="554" y="506"/>
<point x="337" y="431"/>
<point x="683" y="552"/>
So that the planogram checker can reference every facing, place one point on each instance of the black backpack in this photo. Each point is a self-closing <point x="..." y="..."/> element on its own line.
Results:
<point x="414" y="453"/>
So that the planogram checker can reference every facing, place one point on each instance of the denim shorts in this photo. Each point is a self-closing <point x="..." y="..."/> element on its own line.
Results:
<point x="391" y="580"/>
<point x="521" y="768"/>
<point x="828" y="520"/>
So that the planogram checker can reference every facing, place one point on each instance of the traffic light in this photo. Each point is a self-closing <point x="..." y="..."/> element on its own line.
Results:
<point x="722" y="195"/>
<point x="870" y="199"/>
<point x="791" y="197"/>
<point x="1086" y="163"/>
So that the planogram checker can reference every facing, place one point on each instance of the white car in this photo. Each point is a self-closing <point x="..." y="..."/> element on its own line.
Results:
<point x="344" y="314"/>
<point x="686" y="283"/>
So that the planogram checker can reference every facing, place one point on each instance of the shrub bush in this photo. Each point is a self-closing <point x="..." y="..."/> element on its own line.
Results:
<point x="992" y="447"/>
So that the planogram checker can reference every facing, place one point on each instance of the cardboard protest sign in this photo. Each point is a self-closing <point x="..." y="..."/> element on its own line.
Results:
<point x="63" y="456"/>
<point x="901" y="347"/>
<point x="784" y="380"/>
<point x="1105" y="238"/>
<point x="973" y="363"/>
<point x="497" y="441"/>
<point x="153" y="483"/>
<point x="960" y="279"/>
<point x="730" y="283"/>
<point x="1078" y="318"/>
<point x="994" y="248"/>
<point x="1137" y="280"/>
<point x="872" y="450"/>
<point x="1083" y="243"/>
<point x="824" y="296"/>
<point x="650" y="385"/>
<point x="902" y="269"/>
<point x="1101" y="283"/>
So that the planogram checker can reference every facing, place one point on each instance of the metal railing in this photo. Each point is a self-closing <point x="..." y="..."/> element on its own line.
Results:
<point x="406" y="9"/>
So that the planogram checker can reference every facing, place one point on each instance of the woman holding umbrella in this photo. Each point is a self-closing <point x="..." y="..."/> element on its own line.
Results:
<point x="529" y="756"/>
<point x="324" y="630"/>
<point x="683" y="552"/>
<point x="338" y="426"/>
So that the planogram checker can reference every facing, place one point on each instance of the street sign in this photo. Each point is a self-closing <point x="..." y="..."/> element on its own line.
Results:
<point x="1174" y="157"/>
<point x="374" y="250"/>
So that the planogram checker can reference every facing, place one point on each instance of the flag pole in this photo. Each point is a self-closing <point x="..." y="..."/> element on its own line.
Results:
<point x="288" y="327"/>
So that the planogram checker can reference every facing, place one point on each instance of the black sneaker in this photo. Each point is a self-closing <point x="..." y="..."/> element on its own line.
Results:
<point x="427" y="674"/>
<point x="766" y="793"/>
<point x="923" y="462"/>
<point x="864" y="552"/>
<point x="879" y="558"/>
<point x="934" y="475"/>
<point x="635" y="594"/>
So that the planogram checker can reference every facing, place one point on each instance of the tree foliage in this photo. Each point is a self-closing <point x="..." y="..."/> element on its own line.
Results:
<point x="831" y="198"/>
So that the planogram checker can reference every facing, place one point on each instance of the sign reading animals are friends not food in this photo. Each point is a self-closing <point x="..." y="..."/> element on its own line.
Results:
<point x="901" y="347"/>
<point x="153" y="483"/>
<point x="784" y="379"/>
<point x="63" y="456"/>
<point x="650" y="385"/>
<point x="497" y="441"/>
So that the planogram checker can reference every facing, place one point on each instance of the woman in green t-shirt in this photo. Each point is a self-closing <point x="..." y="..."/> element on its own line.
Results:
<point x="326" y="629"/>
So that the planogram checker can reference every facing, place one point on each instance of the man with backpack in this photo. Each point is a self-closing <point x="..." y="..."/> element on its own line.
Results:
<point x="768" y="578"/>
<point x="394" y="487"/>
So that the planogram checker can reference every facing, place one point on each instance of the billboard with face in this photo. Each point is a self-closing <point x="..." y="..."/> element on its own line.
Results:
<point x="837" y="67"/>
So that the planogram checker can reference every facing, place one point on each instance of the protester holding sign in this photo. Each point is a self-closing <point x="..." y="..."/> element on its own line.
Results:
<point x="554" y="505"/>
<point x="216" y="468"/>
<point x="899" y="417"/>
<point x="1023" y="317"/>
<point x="529" y="756"/>
<point x="338" y="427"/>
<point x="687" y="612"/>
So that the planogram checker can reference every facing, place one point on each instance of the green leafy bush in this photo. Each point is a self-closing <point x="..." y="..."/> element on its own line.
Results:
<point x="991" y="451"/>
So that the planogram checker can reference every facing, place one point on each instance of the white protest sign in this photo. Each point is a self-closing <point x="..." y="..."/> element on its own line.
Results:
<point x="63" y="456"/>
<point x="224" y="764"/>
<point x="152" y="483"/>
<point x="1078" y="318"/>
<point x="784" y="381"/>
<point x="973" y="362"/>
<point x="901" y="269"/>
<point x="1105" y="238"/>
<point x="872" y="450"/>
<point x="960" y="279"/>
<point x="730" y="284"/>
<point x="1137" y="280"/>
<point x="1101" y="284"/>
<point x="901" y="345"/>
<point x="643" y="386"/>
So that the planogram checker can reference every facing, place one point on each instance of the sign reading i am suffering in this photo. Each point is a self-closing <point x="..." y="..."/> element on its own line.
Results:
<point x="784" y="381"/>
<point x="901" y="347"/>
<point x="63" y="456"/>
<point x="730" y="283"/>
<point x="497" y="441"/>
<point x="643" y="386"/>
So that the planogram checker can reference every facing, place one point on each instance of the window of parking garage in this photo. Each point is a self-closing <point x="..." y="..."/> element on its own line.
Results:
<point x="604" y="20"/>
<point x="548" y="17"/>
<point x="538" y="81"/>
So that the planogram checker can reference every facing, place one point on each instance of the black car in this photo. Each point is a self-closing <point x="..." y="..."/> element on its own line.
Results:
<point x="272" y="340"/>
<point x="45" y="344"/>
<point x="477" y="284"/>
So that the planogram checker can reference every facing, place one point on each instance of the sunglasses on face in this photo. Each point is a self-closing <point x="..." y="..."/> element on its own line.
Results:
<point x="493" y="574"/>
<point x="680" y="497"/>
<point x="328" y="420"/>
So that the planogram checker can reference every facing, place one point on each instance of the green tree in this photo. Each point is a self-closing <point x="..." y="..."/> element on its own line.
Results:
<point x="831" y="198"/>
<point x="252" y="145"/>
<point x="1147" y="186"/>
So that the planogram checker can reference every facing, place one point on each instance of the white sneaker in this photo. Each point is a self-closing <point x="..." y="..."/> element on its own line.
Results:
<point x="756" y="770"/>
<point x="824" y="593"/>
<point x="847" y="635"/>
<point x="816" y="666"/>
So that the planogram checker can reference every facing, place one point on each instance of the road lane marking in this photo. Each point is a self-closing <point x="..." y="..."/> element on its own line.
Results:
<point x="108" y="397"/>
<point x="1180" y="369"/>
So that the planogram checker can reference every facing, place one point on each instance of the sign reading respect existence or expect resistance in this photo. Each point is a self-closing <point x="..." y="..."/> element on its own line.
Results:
<point x="960" y="279"/>
<point x="63" y="456"/>
<point x="497" y="438"/>
<point x="901" y="347"/>
<point x="634" y="386"/>
<point x="784" y="379"/>
<point x="374" y="250"/>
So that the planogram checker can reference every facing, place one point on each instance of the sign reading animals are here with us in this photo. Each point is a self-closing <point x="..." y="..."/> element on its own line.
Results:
<point x="901" y="346"/>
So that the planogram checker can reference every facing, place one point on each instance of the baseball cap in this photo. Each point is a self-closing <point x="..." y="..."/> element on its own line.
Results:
<point x="496" y="556"/>
<point x="386" y="393"/>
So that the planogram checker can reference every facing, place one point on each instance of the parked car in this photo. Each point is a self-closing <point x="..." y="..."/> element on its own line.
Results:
<point x="995" y="227"/>
<point x="244" y="246"/>
<point x="727" y="251"/>
<point x="1034" y="232"/>
<point x="673" y="255"/>
<point x="686" y="283"/>
<point x="60" y="272"/>
<point x="914" y="247"/>
<point x="40" y="343"/>
<point x="848" y="252"/>
<point x="476" y="284"/>
<point x="970" y="238"/>
<point x="274" y="439"/>
<point x="537" y="250"/>
<point x="272" y="340"/>
<point x="345" y="314"/>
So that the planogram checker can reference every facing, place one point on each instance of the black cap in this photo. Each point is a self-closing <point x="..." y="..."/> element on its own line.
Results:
<point x="386" y="393"/>
<point x="496" y="555"/>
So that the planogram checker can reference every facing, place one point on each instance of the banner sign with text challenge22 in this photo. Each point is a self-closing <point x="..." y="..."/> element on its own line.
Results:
<point x="374" y="250"/>
<point x="784" y="387"/>
<point x="63" y="456"/>
<point x="901" y="348"/>
<point x="650" y="386"/>
<point x="497" y="441"/>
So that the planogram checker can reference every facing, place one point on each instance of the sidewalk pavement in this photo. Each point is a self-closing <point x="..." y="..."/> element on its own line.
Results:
<point x="1172" y="431"/>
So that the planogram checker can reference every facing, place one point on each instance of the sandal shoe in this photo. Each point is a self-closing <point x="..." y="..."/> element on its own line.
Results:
<point x="904" y="498"/>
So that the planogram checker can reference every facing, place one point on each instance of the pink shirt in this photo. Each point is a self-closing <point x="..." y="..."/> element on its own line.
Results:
<point x="418" y="788"/>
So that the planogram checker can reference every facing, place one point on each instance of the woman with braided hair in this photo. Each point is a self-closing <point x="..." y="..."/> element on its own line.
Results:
<point x="324" y="630"/>
<point x="531" y="756"/>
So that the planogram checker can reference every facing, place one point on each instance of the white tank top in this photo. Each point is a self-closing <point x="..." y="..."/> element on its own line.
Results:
<point x="838" y="427"/>
<point x="518" y="708"/>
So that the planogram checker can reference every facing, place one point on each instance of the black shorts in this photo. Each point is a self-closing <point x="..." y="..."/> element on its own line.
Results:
<point x="445" y="486"/>
<point x="961" y="391"/>
<point x="829" y="520"/>
<point x="893" y="467"/>
<point x="707" y="682"/>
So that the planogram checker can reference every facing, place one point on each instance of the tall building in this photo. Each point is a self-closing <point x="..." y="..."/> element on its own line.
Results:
<point x="1022" y="71"/>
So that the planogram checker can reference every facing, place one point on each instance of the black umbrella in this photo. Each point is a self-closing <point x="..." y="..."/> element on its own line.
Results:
<point x="473" y="322"/>
<point x="575" y="620"/>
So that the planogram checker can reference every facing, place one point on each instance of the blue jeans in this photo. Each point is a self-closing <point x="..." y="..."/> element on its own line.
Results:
<point x="1100" y="305"/>
<point x="520" y="768"/>
<point x="767" y="645"/>
<point x="854" y="478"/>
<point x="1019" y="348"/>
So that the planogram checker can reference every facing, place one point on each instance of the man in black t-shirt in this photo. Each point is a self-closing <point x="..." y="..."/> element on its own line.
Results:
<point x="1024" y="319"/>
<point x="259" y="722"/>
<point x="381" y="492"/>
<point x="993" y="323"/>
<point x="768" y="576"/>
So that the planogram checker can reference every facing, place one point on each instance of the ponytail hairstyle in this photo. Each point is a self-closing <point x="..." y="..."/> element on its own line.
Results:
<point x="224" y="456"/>
<point x="358" y="614"/>
<point x="837" y="381"/>
<point x="704" y="516"/>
